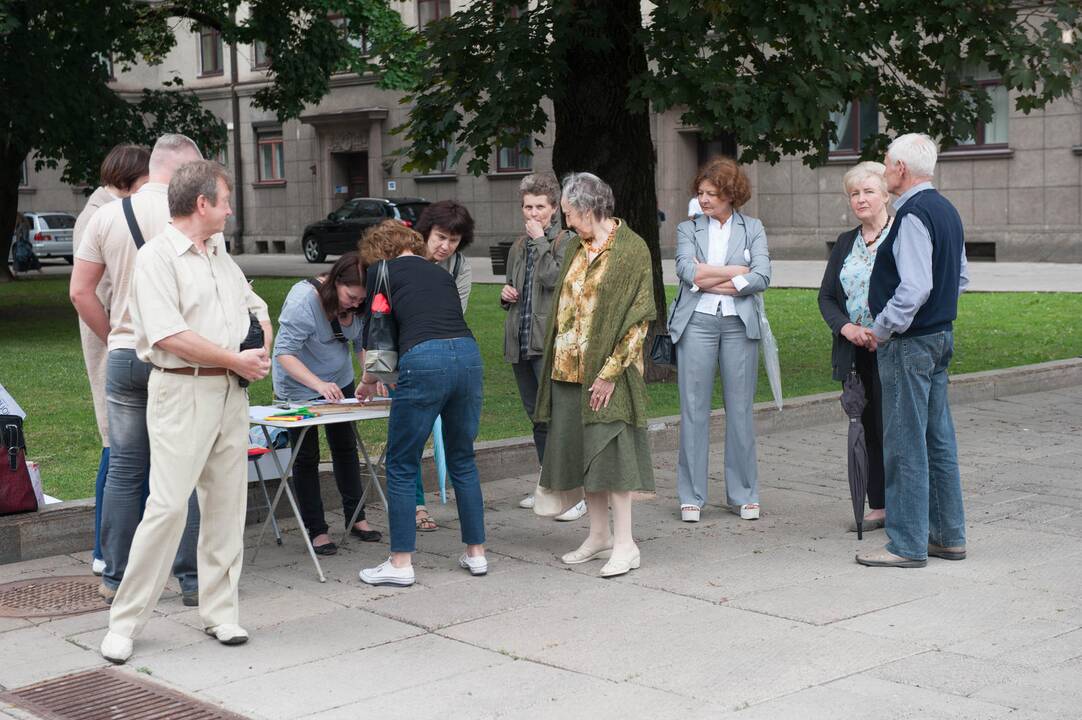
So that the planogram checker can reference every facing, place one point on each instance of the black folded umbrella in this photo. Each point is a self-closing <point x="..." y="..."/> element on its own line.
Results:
<point x="853" y="402"/>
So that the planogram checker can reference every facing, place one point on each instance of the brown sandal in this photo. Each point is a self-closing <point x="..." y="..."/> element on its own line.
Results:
<point x="425" y="523"/>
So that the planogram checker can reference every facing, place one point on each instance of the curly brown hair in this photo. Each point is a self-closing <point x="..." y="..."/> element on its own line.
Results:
<point x="727" y="176"/>
<point x="387" y="241"/>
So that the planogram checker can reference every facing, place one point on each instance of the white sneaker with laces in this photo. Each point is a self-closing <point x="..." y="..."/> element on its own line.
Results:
<point x="476" y="565"/>
<point x="749" y="511"/>
<point x="387" y="574"/>
<point x="98" y="566"/>
<point x="574" y="513"/>
<point x="526" y="503"/>
<point x="116" y="648"/>
<point x="228" y="634"/>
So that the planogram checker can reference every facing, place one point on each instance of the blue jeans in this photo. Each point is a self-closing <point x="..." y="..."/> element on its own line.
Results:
<point x="99" y="492"/>
<point x="436" y="377"/>
<point x="127" y="480"/>
<point x="920" y="452"/>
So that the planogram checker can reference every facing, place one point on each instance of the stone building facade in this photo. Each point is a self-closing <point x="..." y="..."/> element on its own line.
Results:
<point x="1019" y="190"/>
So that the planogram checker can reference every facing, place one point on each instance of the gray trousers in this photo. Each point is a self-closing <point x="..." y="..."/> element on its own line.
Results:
<point x="528" y="377"/>
<point x="707" y="343"/>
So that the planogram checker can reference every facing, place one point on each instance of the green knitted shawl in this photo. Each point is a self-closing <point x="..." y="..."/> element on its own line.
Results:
<point x="625" y="299"/>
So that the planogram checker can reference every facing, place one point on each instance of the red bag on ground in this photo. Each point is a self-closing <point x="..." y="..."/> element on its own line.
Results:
<point x="16" y="490"/>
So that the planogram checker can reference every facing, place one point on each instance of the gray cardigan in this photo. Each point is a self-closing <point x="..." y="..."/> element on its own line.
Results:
<point x="747" y="246"/>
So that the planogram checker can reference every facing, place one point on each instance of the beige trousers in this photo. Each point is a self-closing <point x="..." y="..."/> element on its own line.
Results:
<point x="198" y="428"/>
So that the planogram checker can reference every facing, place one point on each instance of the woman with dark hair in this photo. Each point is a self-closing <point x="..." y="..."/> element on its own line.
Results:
<point x="447" y="229"/>
<point x="312" y="361"/>
<point x="123" y="171"/>
<point x="722" y="262"/>
<point x="439" y="373"/>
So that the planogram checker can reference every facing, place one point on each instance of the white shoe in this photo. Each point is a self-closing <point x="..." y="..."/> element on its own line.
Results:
<point x="574" y="513"/>
<point x="749" y="511"/>
<point x="116" y="648"/>
<point x="584" y="554"/>
<point x="526" y="503"/>
<point x="98" y="566"/>
<point x="621" y="566"/>
<point x="690" y="513"/>
<point x="228" y="634"/>
<point x="476" y="565"/>
<point x="387" y="574"/>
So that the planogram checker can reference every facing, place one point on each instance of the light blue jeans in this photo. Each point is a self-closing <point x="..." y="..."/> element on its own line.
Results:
<point x="920" y="452"/>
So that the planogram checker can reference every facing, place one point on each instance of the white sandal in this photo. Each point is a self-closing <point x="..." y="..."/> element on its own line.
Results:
<point x="690" y="513"/>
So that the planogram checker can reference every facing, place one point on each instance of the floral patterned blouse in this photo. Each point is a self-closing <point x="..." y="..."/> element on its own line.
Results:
<point x="855" y="274"/>
<point x="575" y="307"/>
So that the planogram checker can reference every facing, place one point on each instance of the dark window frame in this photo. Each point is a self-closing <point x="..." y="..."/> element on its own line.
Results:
<point x="438" y="7"/>
<point x="270" y="138"/>
<point x="257" y="63"/>
<point x="856" y="116"/>
<point x="979" y="139"/>
<point x="214" y="36"/>
<point x="516" y="153"/>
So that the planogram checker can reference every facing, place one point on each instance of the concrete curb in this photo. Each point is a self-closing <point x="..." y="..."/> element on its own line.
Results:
<point x="68" y="527"/>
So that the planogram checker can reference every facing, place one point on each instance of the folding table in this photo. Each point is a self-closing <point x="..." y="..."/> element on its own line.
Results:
<point x="258" y="415"/>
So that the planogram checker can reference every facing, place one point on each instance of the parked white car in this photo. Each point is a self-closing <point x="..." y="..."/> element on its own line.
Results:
<point x="50" y="234"/>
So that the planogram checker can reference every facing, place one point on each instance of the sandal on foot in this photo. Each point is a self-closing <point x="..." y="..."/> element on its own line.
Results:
<point x="425" y="523"/>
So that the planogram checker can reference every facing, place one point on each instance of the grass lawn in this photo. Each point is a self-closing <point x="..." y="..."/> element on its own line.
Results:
<point x="41" y="361"/>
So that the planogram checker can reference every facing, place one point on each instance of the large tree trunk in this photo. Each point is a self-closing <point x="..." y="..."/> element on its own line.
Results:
<point x="11" y="161"/>
<point x="599" y="129"/>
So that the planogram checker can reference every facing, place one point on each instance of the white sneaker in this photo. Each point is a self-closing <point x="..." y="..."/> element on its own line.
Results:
<point x="690" y="513"/>
<point x="526" y="503"/>
<point x="574" y="513"/>
<point x="228" y="634"/>
<point x="116" y="648"/>
<point x="749" y="511"/>
<point x="98" y="566"/>
<point x="476" y="565"/>
<point x="387" y="574"/>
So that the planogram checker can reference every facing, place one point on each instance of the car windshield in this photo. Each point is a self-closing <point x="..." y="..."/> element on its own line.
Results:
<point x="58" y="221"/>
<point x="411" y="211"/>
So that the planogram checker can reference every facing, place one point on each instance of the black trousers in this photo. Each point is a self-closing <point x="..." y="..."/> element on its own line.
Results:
<point x="867" y="367"/>
<point x="347" y="472"/>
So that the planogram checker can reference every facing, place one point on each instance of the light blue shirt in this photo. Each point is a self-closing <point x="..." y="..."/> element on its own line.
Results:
<point x="913" y="257"/>
<point x="305" y="332"/>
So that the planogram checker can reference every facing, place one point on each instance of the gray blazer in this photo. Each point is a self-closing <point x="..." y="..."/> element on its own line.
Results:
<point x="747" y="246"/>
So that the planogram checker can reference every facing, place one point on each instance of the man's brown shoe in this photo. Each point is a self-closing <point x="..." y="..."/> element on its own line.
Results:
<point x="883" y="558"/>
<point x="107" y="593"/>
<point x="957" y="552"/>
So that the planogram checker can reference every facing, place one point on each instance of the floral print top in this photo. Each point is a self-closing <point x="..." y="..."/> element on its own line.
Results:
<point x="855" y="274"/>
<point x="575" y="307"/>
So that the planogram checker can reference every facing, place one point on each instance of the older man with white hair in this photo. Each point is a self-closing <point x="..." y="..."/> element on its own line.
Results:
<point x="919" y="272"/>
<point x="110" y="244"/>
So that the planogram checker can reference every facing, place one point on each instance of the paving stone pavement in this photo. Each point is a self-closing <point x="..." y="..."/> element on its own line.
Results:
<point x="725" y="619"/>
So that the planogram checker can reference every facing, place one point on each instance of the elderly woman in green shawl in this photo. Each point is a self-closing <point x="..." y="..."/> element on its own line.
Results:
<point x="595" y="399"/>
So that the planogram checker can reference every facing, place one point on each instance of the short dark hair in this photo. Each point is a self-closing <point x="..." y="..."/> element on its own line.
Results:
<point x="347" y="270"/>
<point x="448" y="215"/>
<point x="124" y="165"/>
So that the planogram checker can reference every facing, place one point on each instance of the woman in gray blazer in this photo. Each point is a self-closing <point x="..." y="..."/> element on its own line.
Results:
<point x="722" y="261"/>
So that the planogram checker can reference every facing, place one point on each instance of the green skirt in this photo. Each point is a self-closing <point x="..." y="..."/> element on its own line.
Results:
<point x="598" y="457"/>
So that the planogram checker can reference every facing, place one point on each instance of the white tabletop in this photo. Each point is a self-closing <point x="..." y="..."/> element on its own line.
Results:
<point x="257" y="415"/>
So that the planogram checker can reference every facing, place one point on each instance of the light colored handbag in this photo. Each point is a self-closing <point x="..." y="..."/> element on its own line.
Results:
<point x="550" y="503"/>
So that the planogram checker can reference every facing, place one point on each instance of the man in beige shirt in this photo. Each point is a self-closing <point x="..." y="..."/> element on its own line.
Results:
<point x="190" y="307"/>
<point x="108" y="246"/>
<point x="123" y="171"/>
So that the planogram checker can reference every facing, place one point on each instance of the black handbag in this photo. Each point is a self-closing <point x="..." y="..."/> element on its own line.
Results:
<point x="253" y="340"/>
<point x="381" y="348"/>
<point x="663" y="351"/>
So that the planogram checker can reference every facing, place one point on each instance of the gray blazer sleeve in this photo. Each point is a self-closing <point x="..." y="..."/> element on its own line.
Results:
<point x="685" y="252"/>
<point x="759" y="276"/>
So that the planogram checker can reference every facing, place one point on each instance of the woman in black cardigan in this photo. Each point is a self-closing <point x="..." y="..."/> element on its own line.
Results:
<point x="843" y="302"/>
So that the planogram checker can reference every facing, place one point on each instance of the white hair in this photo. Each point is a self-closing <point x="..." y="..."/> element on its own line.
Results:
<point x="862" y="171"/>
<point x="917" y="151"/>
<point x="589" y="195"/>
<point x="170" y="152"/>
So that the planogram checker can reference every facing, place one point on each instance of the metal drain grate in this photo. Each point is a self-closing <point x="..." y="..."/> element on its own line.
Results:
<point x="110" y="695"/>
<point x="50" y="597"/>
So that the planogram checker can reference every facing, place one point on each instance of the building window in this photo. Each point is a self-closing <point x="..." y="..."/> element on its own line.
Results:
<point x="994" y="131"/>
<point x="356" y="39"/>
<point x="431" y="10"/>
<point x="271" y="154"/>
<point x="858" y="122"/>
<point x="515" y="158"/>
<point x="210" y="52"/>
<point x="260" y="58"/>
<point x="24" y="175"/>
<point x="446" y="166"/>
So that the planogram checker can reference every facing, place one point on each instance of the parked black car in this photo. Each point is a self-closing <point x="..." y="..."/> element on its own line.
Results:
<point x="342" y="229"/>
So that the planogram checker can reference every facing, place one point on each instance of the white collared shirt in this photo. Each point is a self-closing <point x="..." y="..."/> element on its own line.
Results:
<point x="717" y="251"/>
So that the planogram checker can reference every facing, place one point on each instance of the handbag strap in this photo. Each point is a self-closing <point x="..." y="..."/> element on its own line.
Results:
<point x="133" y="224"/>
<point x="383" y="280"/>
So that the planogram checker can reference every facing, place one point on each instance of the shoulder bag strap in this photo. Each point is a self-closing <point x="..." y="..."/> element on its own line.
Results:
<point x="133" y="224"/>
